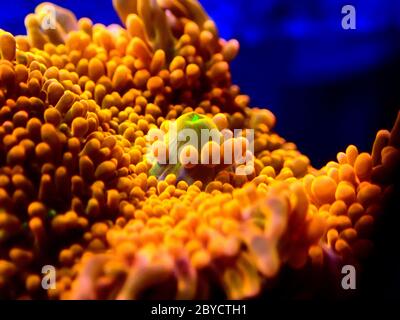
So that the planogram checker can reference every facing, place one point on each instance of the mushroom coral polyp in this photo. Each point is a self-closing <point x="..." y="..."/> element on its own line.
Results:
<point x="77" y="102"/>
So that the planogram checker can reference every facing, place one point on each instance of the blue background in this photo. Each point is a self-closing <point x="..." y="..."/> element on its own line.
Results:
<point x="327" y="86"/>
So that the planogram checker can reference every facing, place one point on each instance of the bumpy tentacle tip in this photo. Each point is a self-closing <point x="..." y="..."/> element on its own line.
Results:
<point x="124" y="8"/>
<point x="62" y="16"/>
<point x="7" y="46"/>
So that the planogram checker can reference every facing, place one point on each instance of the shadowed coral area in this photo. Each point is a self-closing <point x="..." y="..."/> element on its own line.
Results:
<point x="78" y="104"/>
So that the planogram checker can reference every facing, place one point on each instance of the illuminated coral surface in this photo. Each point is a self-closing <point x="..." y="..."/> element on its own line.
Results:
<point x="77" y="103"/>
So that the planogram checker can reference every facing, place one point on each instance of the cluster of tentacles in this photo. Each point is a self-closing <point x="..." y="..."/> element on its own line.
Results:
<point x="77" y="103"/>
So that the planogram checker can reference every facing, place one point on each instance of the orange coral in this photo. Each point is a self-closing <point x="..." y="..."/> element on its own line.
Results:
<point x="78" y="103"/>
